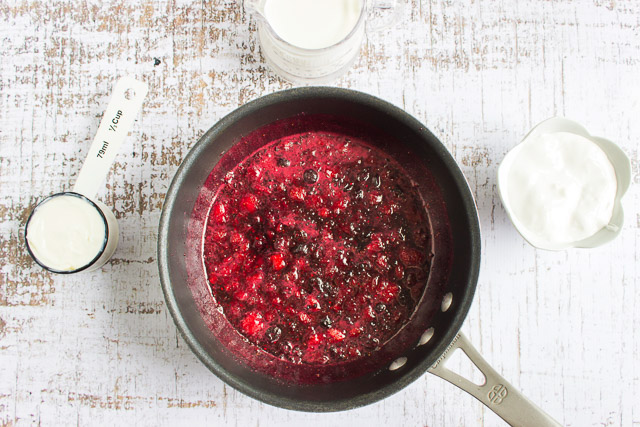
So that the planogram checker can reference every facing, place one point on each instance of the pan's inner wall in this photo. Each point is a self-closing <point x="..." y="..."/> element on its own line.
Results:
<point x="454" y="226"/>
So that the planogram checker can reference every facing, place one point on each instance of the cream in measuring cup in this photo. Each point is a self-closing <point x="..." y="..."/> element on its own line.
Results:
<point x="67" y="232"/>
<point x="561" y="188"/>
<point x="70" y="232"/>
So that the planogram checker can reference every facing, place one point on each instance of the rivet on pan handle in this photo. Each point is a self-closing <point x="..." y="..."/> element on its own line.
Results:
<point x="496" y="393"/>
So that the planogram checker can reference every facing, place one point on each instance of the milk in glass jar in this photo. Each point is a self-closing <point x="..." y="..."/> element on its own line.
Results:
<point x="310" y="41"/>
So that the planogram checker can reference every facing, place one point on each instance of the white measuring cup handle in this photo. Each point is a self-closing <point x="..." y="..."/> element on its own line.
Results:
<point x="496" y="393"/>
<point x="118" y="118"/>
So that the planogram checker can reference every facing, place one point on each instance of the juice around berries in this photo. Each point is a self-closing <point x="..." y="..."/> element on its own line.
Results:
<point x="317" y="248"/>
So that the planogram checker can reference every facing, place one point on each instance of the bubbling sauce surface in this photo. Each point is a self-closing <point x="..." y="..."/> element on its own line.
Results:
<point x="317" y="248"/>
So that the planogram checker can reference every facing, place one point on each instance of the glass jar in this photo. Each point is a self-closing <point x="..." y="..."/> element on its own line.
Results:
<point x="312" y="66"/>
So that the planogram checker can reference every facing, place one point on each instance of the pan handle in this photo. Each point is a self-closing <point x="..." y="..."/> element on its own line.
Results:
<point x="496" y="393"/>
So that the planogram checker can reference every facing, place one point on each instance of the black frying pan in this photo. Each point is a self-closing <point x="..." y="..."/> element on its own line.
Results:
<point x="431" y="335"/>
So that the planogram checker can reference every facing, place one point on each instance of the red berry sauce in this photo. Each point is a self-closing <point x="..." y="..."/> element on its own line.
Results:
<point x="317" y="248"/>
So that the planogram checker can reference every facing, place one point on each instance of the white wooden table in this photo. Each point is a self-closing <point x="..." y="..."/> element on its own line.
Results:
<point x="100" y="348"/>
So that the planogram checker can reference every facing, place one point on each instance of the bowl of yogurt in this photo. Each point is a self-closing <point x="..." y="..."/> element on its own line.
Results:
<point x="562" y="187"/>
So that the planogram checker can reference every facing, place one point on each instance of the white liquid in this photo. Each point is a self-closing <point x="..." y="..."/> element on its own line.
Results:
<point x="313" y="24"/>
<point x="561" y="188"/>
<point x="66" y="233"/>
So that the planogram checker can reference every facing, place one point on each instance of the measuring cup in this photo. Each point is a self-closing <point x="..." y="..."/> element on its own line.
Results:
<point x="313" y="66"/>
<point x="63" y="227"/>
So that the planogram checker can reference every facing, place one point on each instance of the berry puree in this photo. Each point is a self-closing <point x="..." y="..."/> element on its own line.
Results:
<point x="317" y="248"/>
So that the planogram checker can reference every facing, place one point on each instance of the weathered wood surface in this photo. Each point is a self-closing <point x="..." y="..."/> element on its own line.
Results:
<point x="100" y="348"/>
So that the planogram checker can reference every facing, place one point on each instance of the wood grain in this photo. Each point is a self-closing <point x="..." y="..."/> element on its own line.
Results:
<point x="100" y="348"/>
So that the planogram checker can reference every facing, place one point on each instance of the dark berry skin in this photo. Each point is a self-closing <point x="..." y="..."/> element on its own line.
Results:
<point x="283" y="163"/>
<point x="310" y="176"/>
<point x="317" y="248"/>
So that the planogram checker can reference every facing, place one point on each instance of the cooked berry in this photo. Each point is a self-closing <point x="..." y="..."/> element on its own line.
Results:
<point x="312" y="303"/>
<point x="317" y="258"/>
<point x="219" y="212"/>
<point x="375" y="198"/>
<point x="316" y="282"/>
<point x="253" y="323"/>
<point x="410" y="257"/>
<point x="273" y="333"/>
<point x="249" y="203"/>
<point x="326" y="322"/>
<point x="304" y="317"/>
<point x="299" y="235"/>
<point x="277" y="262"/>
<point x="327" y="289"/>
<point x="375" y="181"/>
<point x="364" y="176"/>
<point x="405" y="297"/>
<point x="300" y="248"/>
<point x="337" y="336"/>
<point x="283" y="163"/>
<point x="297" y="193"/>
<point x="310" y="176"/>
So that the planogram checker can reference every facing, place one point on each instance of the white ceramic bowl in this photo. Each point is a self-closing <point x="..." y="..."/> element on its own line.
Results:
<point x="621" y="165"/>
